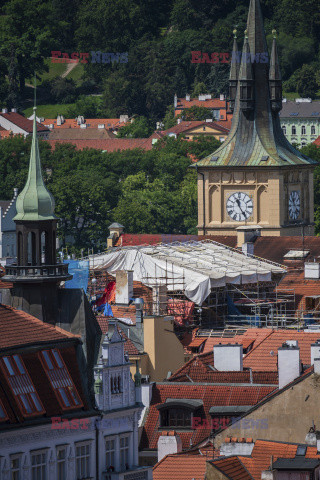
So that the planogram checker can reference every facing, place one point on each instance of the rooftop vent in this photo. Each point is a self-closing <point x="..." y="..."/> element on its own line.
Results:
<point x="312" y="270"/>
<point x="296" y="254"/>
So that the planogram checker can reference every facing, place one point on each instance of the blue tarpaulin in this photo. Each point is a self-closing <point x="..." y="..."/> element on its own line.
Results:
<point x="234" y="312"/>
<point x="80" y="271"/>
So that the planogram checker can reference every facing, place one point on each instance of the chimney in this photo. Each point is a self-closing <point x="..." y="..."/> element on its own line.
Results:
<point x="124" y="118"/>
<point x="58" y="121"/>
<point x="175" y="101"/>
<point x="4" y="110"/>
<point x="236" y="446"/>
<point x="221" y="97"/>
<point x="267" y="475"/>
<point x="288" y="362"/>
<point x="312" y="270"/>
<point x="179" y="121"/>
<point x="247" y="234"/>
<point x="168" y="443"/>
<point x="188" y="97"/>
<point x="116" y="230"/>
<point x="228" y="358"/>
<point x="316" y="363"/>
<point x="124" y="286"/>
<point x="13" y="110"/>
<point x="315" y="351"/>
<point x="248" y="248"/>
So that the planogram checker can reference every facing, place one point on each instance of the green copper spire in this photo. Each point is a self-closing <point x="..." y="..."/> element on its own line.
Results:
<point x="35" y="202"/>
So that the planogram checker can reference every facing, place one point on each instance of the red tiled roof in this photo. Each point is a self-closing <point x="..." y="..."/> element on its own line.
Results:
<point x="261" y="358"/>
<point x="186" y="125"/>
<point x="317" y="141"/>
<point x="180" y="467"/>
<point x="211" y="395"/>
<point x="260" y="458"/>
<point x="198" y="369"/>
<point x="90" y="123"/>
<point x="19" y="328"/>
<point x="210" y="103"/>
<point x="252" y="335"/>
<point x="108" y="145"/>
<point x="22" y="122"/>
<point x="129" y="345"/>
<point x="132" y="239"/>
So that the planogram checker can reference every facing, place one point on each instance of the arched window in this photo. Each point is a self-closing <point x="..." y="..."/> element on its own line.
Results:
<point x="313" y="130"/>
<point x="284" y="129"/>
<point x="293" y="130"/>
<point x="303" y="130"/>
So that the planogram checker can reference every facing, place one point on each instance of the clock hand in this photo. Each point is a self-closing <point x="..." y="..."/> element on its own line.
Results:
<point x="238" y="202"/>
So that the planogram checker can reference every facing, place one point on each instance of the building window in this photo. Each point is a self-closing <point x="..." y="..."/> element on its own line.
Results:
<point x="21" y="385"/>
<point x="39" y="466"/>
<point x="303" y="130"/>
<point x="284" y="129"/>
<point x="313" y="130"/>
<point x="82" y="461"/>
<point x="60" y="379"/>
<point x="115" y="384"/>
<point x="293" y="130"/>
<point x="61" y="463"/>
<point x="176" y="417"/>
<point x="221" y="139"/>
<point x="216" y="114"/>
<point x="15" y="467"/>
<point x="110" y="454"/>
<point x="124" y="453"/>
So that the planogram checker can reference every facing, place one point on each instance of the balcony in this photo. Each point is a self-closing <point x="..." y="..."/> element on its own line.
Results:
<point x="16" y="273"/>
<point x="138" y="473"/>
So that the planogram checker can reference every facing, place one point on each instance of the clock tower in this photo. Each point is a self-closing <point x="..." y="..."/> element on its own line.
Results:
<point x="256" y="177"/>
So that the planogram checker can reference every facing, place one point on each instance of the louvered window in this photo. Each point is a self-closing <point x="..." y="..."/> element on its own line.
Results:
<point x="60" y="379"/>
<point x="21" y="385"/>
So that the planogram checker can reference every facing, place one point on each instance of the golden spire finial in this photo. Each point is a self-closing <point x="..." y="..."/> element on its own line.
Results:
<point x="246" y="33"/>
<point x="274" y="33"/>
<point x="234" y="33"/>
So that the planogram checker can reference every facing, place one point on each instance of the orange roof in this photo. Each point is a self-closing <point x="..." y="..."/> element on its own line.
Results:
<point x="210" y="103"/>
<point x="180" y="467"/>
<point x="260" y="458"/>
<point x="19" y="328"/>
<point x="317" y="141"/>
<point x="252" y="335"/>
<point x="233" y="468"/>
<point x="261" y="358"/>
<point x="185" y="126"/>
<point x="90" y="122"/>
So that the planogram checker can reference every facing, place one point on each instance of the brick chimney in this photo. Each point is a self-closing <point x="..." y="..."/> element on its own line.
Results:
<point x="236" y="446"/>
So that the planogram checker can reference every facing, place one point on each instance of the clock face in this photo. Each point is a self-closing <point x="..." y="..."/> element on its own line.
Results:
<point x="239" y="206"/>
<point x="294" y="205"/>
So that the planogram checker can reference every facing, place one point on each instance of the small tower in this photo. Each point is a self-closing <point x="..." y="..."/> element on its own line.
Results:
<point x="246" y="78"/>
<point x="37" y="274"/>
<point x="234" y="71"/>
<point x="275" y="80"/>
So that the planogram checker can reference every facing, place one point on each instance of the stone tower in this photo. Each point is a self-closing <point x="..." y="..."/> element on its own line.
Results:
<point x="256" y="177"/>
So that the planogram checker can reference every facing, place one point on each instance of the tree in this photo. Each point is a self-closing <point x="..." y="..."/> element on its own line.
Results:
<point x="88" y="107"/>
<point x="195" y="113"/>
<point x="307" y="84"/>
<point x="169" y="118"/>
<point x="140" y="127"/>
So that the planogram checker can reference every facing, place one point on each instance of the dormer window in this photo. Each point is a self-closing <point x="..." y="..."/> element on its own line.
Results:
<point x="60" y="379"/>
<point x="178" y="413"/>
<point x="21" y="385"/>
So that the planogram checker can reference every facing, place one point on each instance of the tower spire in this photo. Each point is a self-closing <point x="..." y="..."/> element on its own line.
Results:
<point x="246" y="78"/>
<point x="275" y="80"/>
<point x="234" y="71"/>
<point x="35" y="202"/>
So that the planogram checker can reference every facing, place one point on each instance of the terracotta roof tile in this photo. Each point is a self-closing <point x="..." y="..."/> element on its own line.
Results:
<point x="108" y="145"/>
<point x="22" y="122"/>
<point x="180" y="467"/>
<point x="211" y="395"/>
<point x="185" y="126"/>
<point x="19" y="328"/>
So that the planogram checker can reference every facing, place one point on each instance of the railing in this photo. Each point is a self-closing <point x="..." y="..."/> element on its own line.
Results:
<point x="139" y="473"/>
<point x="59" y="270"/>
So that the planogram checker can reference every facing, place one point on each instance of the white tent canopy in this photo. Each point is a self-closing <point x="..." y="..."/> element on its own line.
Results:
<point x="195" y="267"/>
